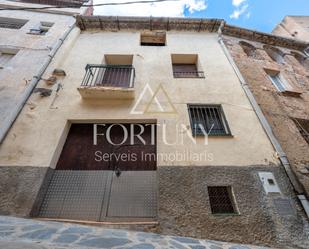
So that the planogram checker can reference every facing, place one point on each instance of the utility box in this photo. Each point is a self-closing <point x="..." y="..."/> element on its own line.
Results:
<point x="269" y="183"/>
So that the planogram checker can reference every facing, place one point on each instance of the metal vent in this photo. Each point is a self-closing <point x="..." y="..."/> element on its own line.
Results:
<point x="12" y="23"/>
<point x="209" y="119"/>
<point x="221" y="200"/>
<point x="284" y="206"/>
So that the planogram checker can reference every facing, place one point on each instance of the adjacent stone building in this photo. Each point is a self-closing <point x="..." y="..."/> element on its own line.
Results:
<point x="147" y="126"/>
<point x="276" y="71"/>
<point x="295" y="27"/>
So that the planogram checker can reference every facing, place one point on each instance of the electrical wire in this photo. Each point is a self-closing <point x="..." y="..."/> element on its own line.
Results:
<point x="87" y="5"/>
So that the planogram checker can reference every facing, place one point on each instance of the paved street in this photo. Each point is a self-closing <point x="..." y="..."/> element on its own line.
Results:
<point x="17" y="233"/>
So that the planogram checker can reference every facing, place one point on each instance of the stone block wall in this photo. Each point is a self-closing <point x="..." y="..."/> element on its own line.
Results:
<point x="184" y="207"/>
<point x="279" y="108"/>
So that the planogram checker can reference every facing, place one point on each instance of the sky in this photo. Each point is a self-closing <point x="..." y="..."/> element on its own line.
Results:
<point x="261" y="15"/>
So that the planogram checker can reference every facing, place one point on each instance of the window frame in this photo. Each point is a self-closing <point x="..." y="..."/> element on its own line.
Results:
<point x="276" y="80"/>
<point x="286" y="87"/>
<point x="222" y="117"/>
<point x="186" y="60"/>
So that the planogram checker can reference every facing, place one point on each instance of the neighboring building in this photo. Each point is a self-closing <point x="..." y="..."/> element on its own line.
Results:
<point x="295" y="27"/>
<point x="28" y="41"/>
<point x="276" y="71"/>
<point x="149" y="75"/>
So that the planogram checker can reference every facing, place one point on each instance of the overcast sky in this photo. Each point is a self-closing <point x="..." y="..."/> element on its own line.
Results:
<point x="261" y="15"/>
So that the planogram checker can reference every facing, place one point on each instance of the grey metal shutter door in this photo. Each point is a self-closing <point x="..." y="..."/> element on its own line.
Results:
<point x="133" y="194"/>
<point x="76" y="195"/>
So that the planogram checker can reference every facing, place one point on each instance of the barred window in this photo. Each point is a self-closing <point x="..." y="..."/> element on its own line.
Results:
<point x="12" y="23"/>
<point x="208" y="119"/>
<point x="186" y="66"/>
<point x="221" y="200"/>
<point x="303" y="127"/>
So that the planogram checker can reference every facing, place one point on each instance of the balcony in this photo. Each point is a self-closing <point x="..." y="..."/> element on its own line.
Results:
<point x="108" y="82"/>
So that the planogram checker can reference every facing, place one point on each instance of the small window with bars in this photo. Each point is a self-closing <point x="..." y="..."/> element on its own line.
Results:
<point x="303" y="127"/>
<point x="221" y="200"/>
<point x="12" y="23"/>
<point x="208" y="120"/>
<point x="186" y="66"/>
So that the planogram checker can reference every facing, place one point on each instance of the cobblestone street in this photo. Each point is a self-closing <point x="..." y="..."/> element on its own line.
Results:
<point x="20" y="233"/>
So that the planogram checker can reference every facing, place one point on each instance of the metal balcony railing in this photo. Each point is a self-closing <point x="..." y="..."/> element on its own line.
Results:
<point x="109" y="75"/>
<point x="189" y="74"/>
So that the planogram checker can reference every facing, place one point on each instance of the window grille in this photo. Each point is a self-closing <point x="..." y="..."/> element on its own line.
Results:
<point x="303" y="127"/>
<point x="208" y="119"/>
<point x="186" y="71"/>
<point x="12" y="23"/>
<point x="221" y="200"/>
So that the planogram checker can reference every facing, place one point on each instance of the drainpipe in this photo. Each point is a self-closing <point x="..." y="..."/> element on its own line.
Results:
<point x="36" y="78"/>
<point x="282" y="156"/>
<point x="306" y="51"/>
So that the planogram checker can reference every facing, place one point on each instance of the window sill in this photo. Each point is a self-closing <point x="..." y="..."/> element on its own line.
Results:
<point x="225" y="214"/>
<point x="214" y="136"/>
<point x="188" y="77"/>
<point x="291" y="93"/>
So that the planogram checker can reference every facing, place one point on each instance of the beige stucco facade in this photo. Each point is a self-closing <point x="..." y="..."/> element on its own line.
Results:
<point x="38" y="134"/>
